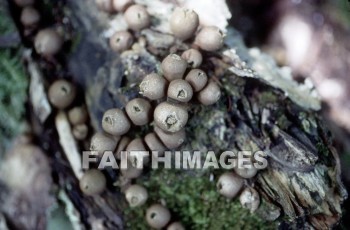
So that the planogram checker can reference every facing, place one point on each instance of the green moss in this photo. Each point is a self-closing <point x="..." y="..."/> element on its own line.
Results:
<point x="192" y="198"/>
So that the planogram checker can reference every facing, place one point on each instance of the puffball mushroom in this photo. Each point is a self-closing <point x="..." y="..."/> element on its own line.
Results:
<point x="250" y="199"/>
<point x="229" y="184"/>
<point x="121" y="41"/>
<point x="169" y="117"/>
<point x="153" y="86"/>
<point x="171" y="140"/>
<point x="154" y="144"/>
<point x="173" y="67"/>
<point x="93" y="182"/>
<point x="124" y="141"/>
<point x="77" y="115"/>
<point x="80" y="131"/>
<point x="193" y="57"/>
<point x="61" y="93"/>
<point x="131" y="172"/>
<point x="175" y="226"/>
<point x="184" y="23"/>
<point x="136" y="195"/>
<point x="139" y="111"/>
<point x="210" y="94"/>
<point x="157" y="216"/>
<point x="197" y="79"/>
<point x="246" y="172"/>
<point x="137" y="17"/>
<point x="48" y="42"/>
<point x="210" y="38"/>
<point x="103" y="142"/>
<point x="115" y="122"/>
<point x="180" y="90"/>
<point x="30" y="17"/>
<point x="137" y="146"/>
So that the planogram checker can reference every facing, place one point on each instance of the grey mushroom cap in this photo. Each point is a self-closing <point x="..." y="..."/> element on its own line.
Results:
<point x="139" y="111"/>
<point x="136" y="195"/>
<point x="250" y="199"/>
<point x="30" y="17"/>
<point x="48" y="42"/>
<point x="173" y="67"/>
<point x="115" y="122"/>
<point x="157" y="216"/>
<point x="246" y="172"/>
<point x="121" y="41"/>
<point x="210" y="94"/>
<point x="197" y="79"/>
<point x="61" y="93"/>
<point x="80" y="131"/>
<point x="184" y="23"/>
<point x="229" y="184"/>
<point x="175" y="226"/>
<point x="154" y="143"/>
<point x="93" y="182"/>
<point x="193" y="57"/>
<point x="169" y="117"/>
<point x="137" y="17"/>
<point x="78" y="115"/>
<point x="102" y="142"/>
<point x="171" y="140"/>
<point x="210" y="38"/>
<point x="180" y="90"/>
<point x="153" y="86"/>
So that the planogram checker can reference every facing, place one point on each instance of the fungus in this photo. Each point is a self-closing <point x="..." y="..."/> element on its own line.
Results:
<point x="184" y="23"/>
<point x="193" y="57"/>
<point x="229" y="184"/>
<point x="48" y="42"/>
<point x="115" y="122"/>
<point x="136" y="195"/>
<point x="93" y="182"/>
<point x="210" y="38"/>
<point x="101" y="142"/>
<point x="121" y="41"/>
<point x="173" y="67"/>
<point x="157" y="216"/>
<point x="169" y="117"/>
<point x="30" y="17"/>
<point x="197" y="79"/>
<point x="137" y="17"/>
<point x="139" y="111"/>
<point x="171" y="140"/>
<point x="210" y="94"/>
<point x="180" y="90"/>
<point x="80" y="131"/>
<point x="61" y="94"/>
<point x="153" y="86"/>
<point x="250" y="199"/>
<point x="77" y="115"/>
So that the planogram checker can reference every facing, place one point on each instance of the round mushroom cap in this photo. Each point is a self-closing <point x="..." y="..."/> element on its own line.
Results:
<point x="101" y="142"/>
<point x="23" y="3"/>
<point x="169" y="117"/>
<point x="250" y="199"/>
<point x="137" y="17"/>
<point x="139" y="111"/>
<point x="122" y="5"/>
<point x="136" y="195"/>
<point x="153" y="86"/>
<point x="171" y="140"/>
<point x="77" y="115"/>
<point x="197" y="79"/>
<point x="246" y="172"/>
<point x="210" y="38"/>
<point x="93" y="182"/>
<point x="175" y="226"/>
<point x="48" y="42"/>
<point x="184" y="23"/>
<point x="158" y="216"/>
<point x="154" y="144"/>
<point x="105" y="5"/>
<point x="210" y="94"/>
<point x="61" y="94"/>
<point x="137" y="147"/>
<point x="131" y="172"/>
<point x="80" y="131"/>
<point x="121" y="41"/>
<point x="123" y="143"/>
<point x="180" y="90"/>
<point x="193" y="57"/>
<point x="30" y="17"/>
<point x="115" y="122"/>
<point x="229" y="184"/>
<point x="173" y="67"/>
